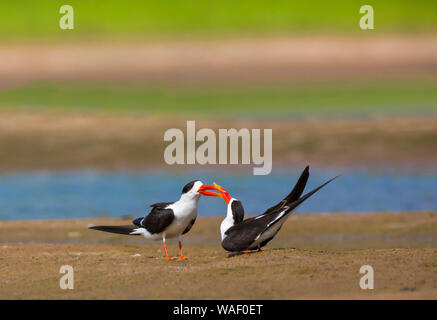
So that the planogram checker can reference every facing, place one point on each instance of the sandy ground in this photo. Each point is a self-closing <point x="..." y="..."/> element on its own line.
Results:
<point x="56" y="141"/>
<point x="260" y="60"/>
<point x="313" y="256"/>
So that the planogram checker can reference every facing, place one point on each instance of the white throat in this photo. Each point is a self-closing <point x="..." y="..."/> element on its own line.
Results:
<point x="189" y="197"/>
<point x="186" y="205"/>
<point x="228" y="221"/>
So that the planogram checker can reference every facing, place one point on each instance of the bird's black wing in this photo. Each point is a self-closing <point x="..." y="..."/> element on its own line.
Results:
<point x="159" y="218"/>
<point x="140" y="222"/>
<point x="240" y="236"/>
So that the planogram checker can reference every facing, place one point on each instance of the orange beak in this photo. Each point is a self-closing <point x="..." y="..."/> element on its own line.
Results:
<point x="203" y="190"/>
<point x="223" y="193"/>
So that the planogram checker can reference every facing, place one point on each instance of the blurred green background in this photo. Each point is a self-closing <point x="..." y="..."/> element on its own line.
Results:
<point x="255" y="101"/>
<point x="28" y="19"/>
<point x="27" y="24"/>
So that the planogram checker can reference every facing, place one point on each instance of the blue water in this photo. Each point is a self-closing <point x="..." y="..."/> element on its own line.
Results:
<point x="96" y="194"/>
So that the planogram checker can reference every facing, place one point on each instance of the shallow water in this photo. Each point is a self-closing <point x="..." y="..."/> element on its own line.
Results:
<point x="48" y="195"/>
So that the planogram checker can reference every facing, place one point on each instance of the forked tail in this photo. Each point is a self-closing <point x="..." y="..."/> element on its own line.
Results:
<point x="295" y="204"/>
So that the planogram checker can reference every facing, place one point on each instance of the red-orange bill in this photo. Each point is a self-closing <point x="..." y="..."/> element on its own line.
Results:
<point x="204" y="190"/>
<point x="223" y="193"/>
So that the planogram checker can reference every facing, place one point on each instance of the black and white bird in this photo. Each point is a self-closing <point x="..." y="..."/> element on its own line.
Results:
<point x="166" y="219"/>
<point x="253" y="233"/>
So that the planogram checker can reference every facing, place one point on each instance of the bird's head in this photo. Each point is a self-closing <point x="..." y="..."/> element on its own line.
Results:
<point x="195" y="188"/>
<point x="192" y="189"/>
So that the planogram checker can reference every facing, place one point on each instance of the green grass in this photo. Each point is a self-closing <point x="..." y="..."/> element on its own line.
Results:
<point x="274" y="101"/>
<point x="30" y="19"/>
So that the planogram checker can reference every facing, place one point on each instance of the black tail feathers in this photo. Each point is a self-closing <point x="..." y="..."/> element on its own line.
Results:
<point x="295" y="204"/>
<point x="116" y="229"/>
<point x="295" y="193"/>
<point x="299" y="187"/>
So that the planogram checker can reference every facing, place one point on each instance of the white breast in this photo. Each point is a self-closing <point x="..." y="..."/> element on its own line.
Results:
<point x="184" y="213"/>
<point x="225" y="225"/>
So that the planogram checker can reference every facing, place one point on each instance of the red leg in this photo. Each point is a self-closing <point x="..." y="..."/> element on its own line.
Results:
<point x="166" y="254"/>
<point x="180" y="250"/>
<point x="259" y="250"/>
<point x="246" y="252"/>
